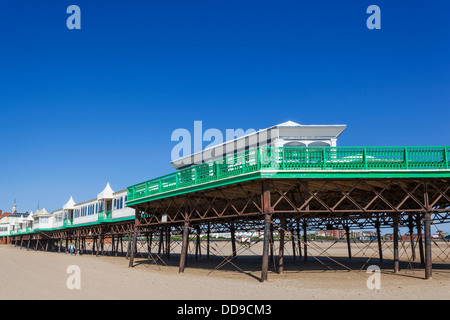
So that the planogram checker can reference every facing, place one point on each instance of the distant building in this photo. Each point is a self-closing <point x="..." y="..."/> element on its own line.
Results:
<point x="10" y="221"/>
<point x="337" y="234"/>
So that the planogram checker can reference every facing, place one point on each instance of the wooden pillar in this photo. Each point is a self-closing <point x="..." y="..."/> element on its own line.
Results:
<point x="149" y="243"/>
<point x="427" y="232"/>
<point x="395" y="230"/>
<point x="299" y="241"/>
<point x="266" y="205"/>
<point x="160" y="241"/>
<point x="281" y="249"/>
<point x="294" y="253"/>
<point x="265" y="257"/>
<point x="349" y="249"/>
<point x="271" y="240"/>
<point x="305" y="238"/>
<point x="148" y="246"/>
<point x="168" y="234"/>
<point x="411" y="238"/>
<point x="305" y="242"/>
<point x="128" y="245"/>
<point x="197" y="243"/>
<point x="102" y="243"/>
<point x="99" y="240"/>
<point x="208" y="239"/>
<point x="133" y="247"/>
<point x="113" y="245"/>
<point x="420" y="238"/>
<point x="184" y="247"/>
<point x="78" y="245"/>
<point x="380" y="248"/>
<point x="233" y="239"/>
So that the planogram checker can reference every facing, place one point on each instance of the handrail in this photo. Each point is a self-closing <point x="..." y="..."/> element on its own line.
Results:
<point x="297" y="159"/>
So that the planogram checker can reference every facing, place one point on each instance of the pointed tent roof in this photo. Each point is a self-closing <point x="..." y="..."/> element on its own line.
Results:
<point x="107" y="193"/>
<point x="70" y="205"/>
<point x="30" y="216"/>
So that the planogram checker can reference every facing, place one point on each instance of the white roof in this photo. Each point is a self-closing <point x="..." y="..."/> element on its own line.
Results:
<point x="107" y="193"/>
<point x="70" y="205"/>
<point x="288" y="124"/>
<point x="41" y="212"/>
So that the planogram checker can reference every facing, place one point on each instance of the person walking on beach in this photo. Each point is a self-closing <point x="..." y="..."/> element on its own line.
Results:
<point x="71" y="248"/>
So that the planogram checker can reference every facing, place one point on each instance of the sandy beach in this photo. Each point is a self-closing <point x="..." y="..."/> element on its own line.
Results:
<point x="44" y="275"/>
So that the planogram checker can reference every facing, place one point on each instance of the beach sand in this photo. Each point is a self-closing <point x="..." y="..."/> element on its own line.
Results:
<point x="43" y="275"/>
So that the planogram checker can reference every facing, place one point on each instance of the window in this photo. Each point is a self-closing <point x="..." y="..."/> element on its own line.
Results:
<point x="319" y="144"/>
<point x="295" y="144"/>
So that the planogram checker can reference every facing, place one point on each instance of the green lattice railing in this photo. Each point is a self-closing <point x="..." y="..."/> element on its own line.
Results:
<point x="298" y="159"/>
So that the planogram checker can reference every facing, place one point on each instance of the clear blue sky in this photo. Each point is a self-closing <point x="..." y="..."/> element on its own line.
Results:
<point x="83" y="107"/>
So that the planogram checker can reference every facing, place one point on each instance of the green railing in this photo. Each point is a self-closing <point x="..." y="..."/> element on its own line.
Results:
<point x="104" y="215"/>
<point x="300" y="159"/>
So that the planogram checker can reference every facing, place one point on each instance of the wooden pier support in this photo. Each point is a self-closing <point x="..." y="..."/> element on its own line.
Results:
<point x="184" y="247"/>
<point x="281" y="249"/>
<point x="419" y="235"/>
<point x="427" y="233"/>
<point x="267" y="229"/>
<point x="380" y="248"/>
<point x="133" y="248"/>
<point x="305" y="242"/>
<point x="208" y="240"/>
<point x="411" y="238"/>
<point x="395" y="230"/>
<point x="349" y="248"/>
<point x="233" y="239"/>
<point x="168" y="235"/>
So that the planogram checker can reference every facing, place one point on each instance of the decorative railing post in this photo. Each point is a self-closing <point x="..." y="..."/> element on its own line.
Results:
<point x="258" y="159"/>
<point x="365" y="158"/>
<point x="406" y="158"/>
<point x="445" y="157"/>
